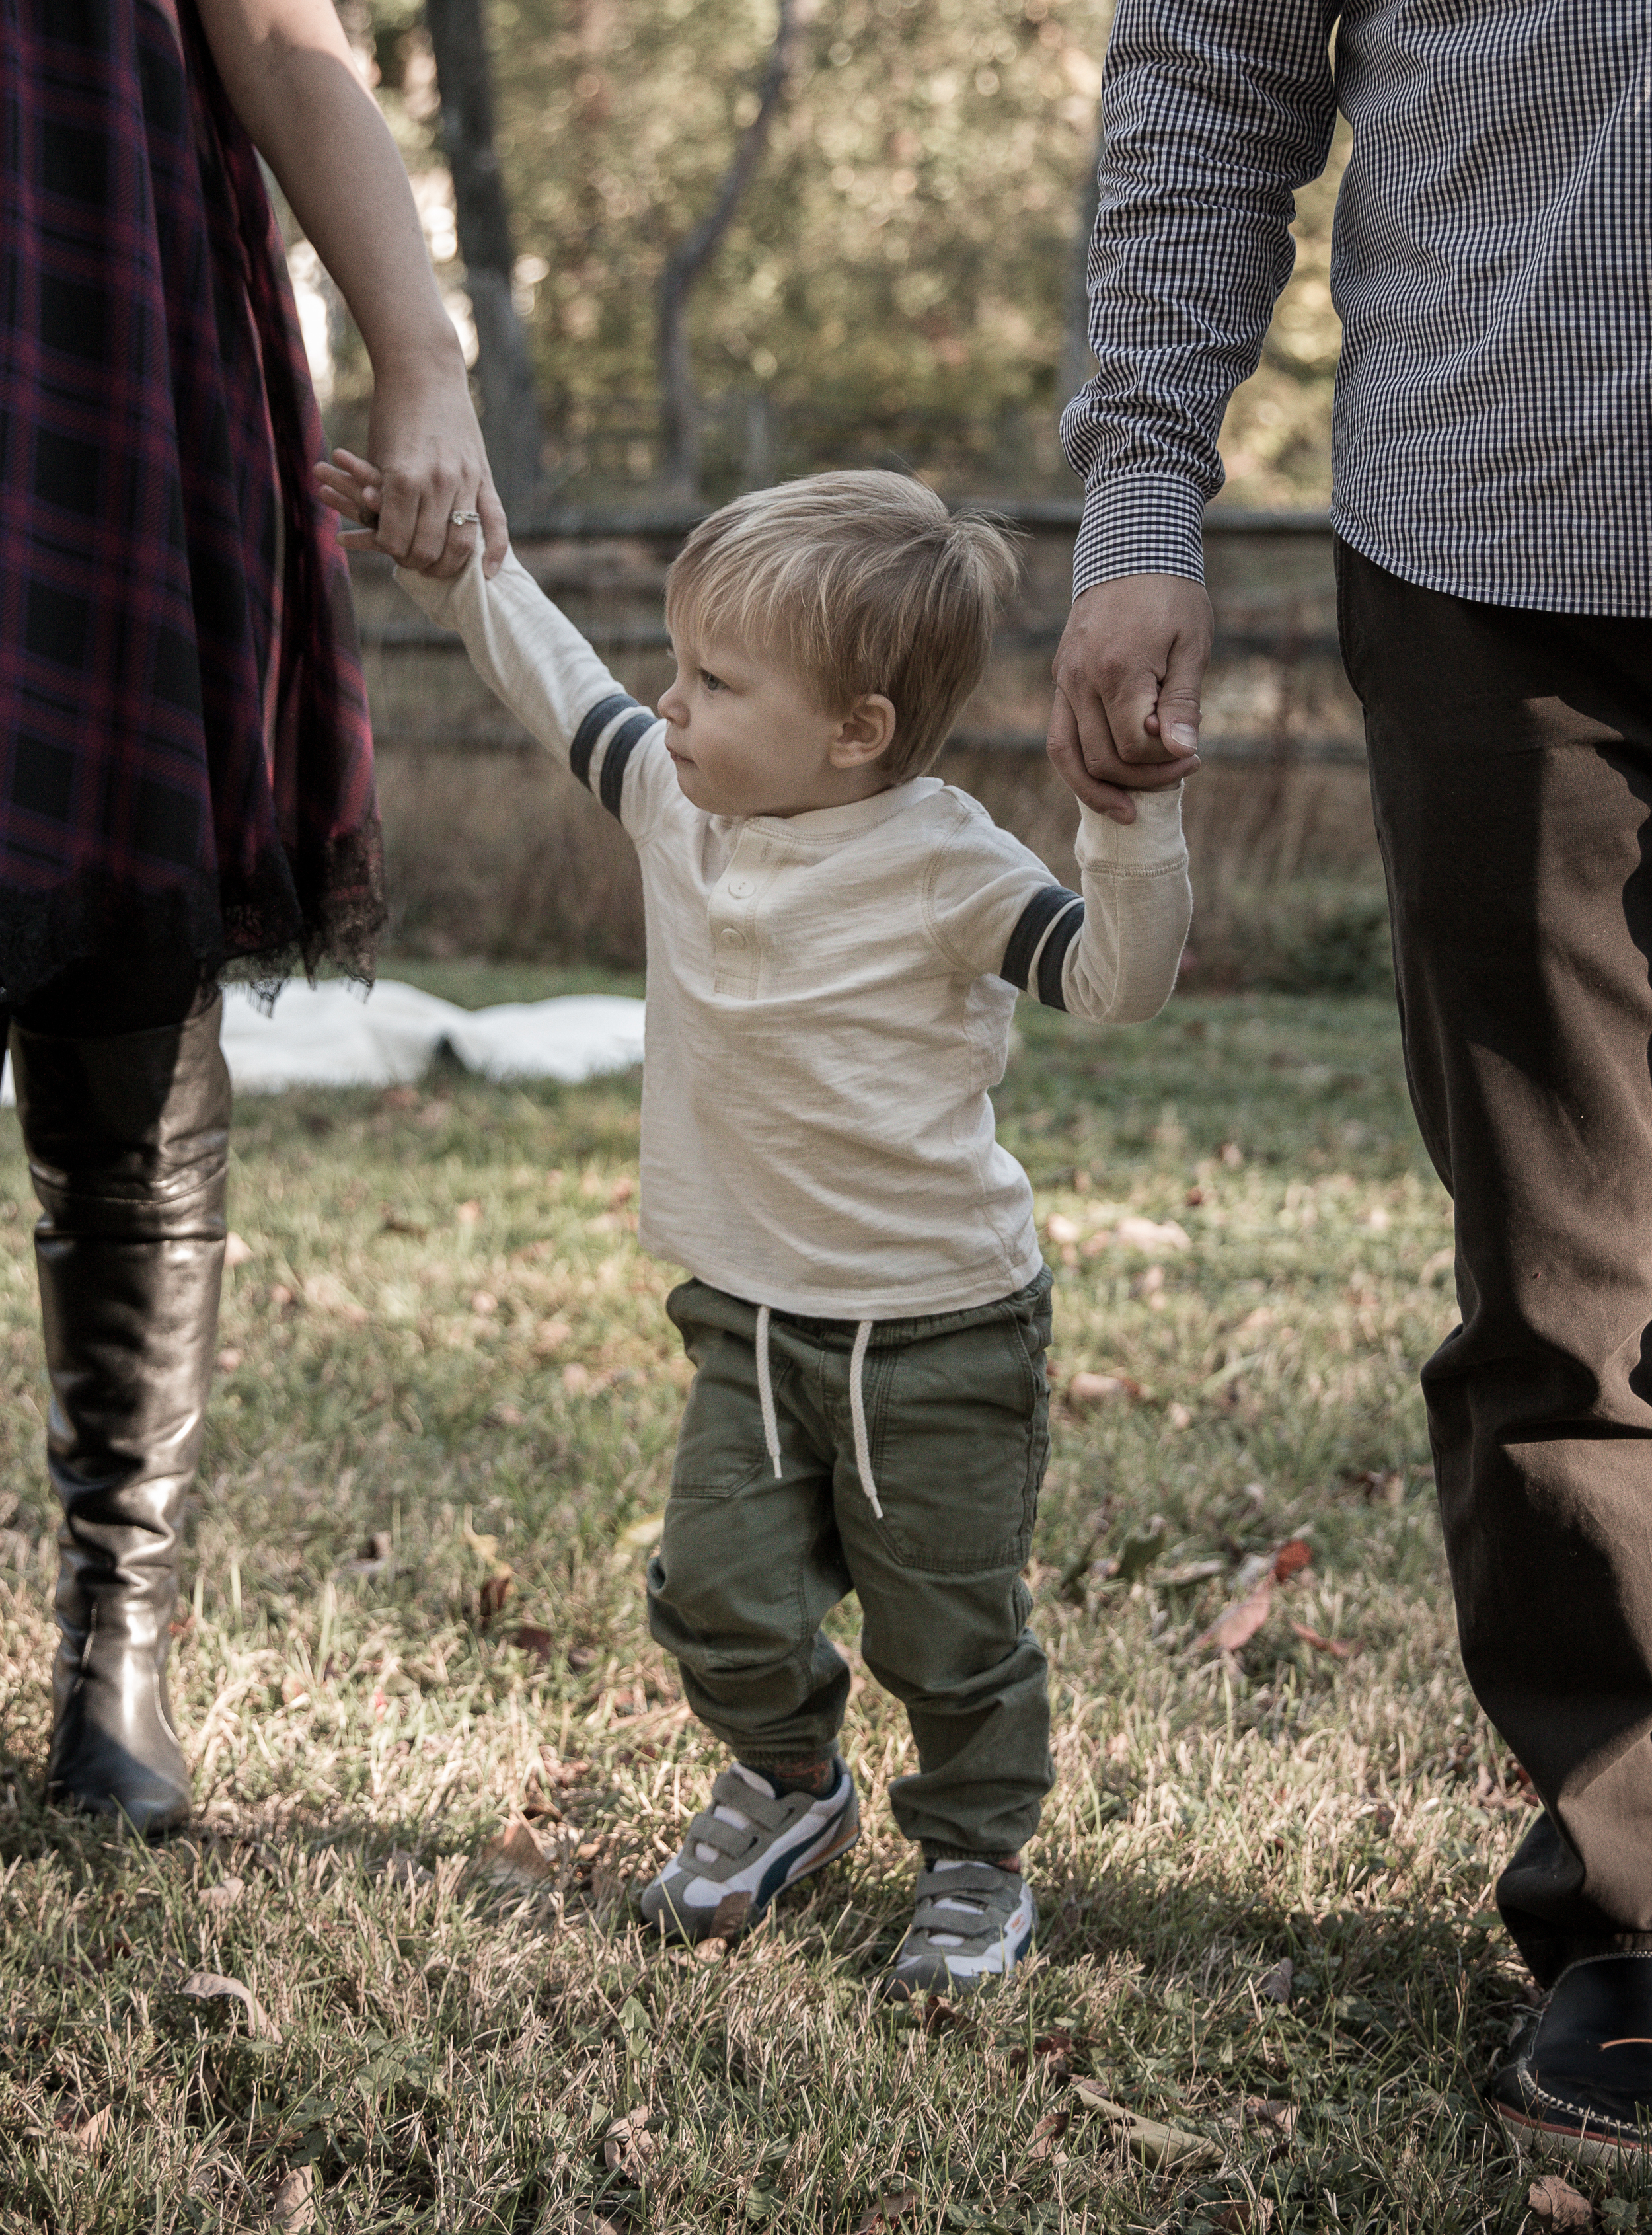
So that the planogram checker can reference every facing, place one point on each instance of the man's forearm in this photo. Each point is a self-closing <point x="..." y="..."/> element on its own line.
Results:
<point x="1213" y="116"/>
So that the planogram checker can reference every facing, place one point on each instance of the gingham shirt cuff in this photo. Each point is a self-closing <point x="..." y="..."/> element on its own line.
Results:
<point x="1143" y="524"/>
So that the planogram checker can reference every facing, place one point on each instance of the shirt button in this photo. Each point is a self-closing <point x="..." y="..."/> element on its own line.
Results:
<point x="732" y="938"/>
<point x="741" y="889"/>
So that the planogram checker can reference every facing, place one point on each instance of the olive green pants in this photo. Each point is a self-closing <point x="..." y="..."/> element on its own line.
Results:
<point x="956" y="1411"/>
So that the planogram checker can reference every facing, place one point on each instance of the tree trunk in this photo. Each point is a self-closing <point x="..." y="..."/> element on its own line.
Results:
<point x="1076" y="363"/>
<point x="679" y="410"/>
<point x="504" y="374"/>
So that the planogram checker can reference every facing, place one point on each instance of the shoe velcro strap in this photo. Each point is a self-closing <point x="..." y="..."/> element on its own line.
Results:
<point x="773" y="1814"/>
<point x="975" y="1901"/>
<point x="732" y="1841"/>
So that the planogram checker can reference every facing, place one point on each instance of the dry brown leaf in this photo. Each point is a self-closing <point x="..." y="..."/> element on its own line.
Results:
<point x="89" y="2137"/>
<point x="223" y="1897"/>
<point x="628" y="2145"/>
<point x="1276" y="1985"/>
<point x="294" y="2208"/>
<point x="729" y="1918"/>
<point x="942" y="2017"/>
<point x="1273" y="2116"/>
<point x="539" y="1642"/>
<point x="1046" y="2136"/>
<point x="887" y="2211"/>
<point x="1291" y="1559"/>
<point x="1101" y="1388"/>
<point x="491" y="1598"/>
<point x="1555" y="2203"/>
<point x="208" y="1986"/>
<point x="1240" y="1623"/>
<point x="515" y="1853"/>
<point x="1156" y="2145"/>
<point x="1331" y="1645"/>
<point x="1244" y="2215"/>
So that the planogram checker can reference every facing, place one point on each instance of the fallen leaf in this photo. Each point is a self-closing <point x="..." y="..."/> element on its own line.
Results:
<point x="89" y="2137"/>
<point x="622" y="1190"/>
<point x="1145" y="1234"/>
<point x="208" y="1986"/>
<point x="1195" y="1571"/>
<point x="628" y="2145"/>
<point x="539" y="1642"/>
<point x="323" y="1292"/>
<point x="294" y="2208"/>
<point x="1060" y="1228"/>
<point x="397" y="1222"/>
<point x="1241" y="1623"/>
<point x="942" y="2017"/>
<point x="223" y="1897"/>
<point x="515" y="1853"/>
<point x="1155" y="2144"/>
<point x="486" y="1547"/>
<point x="1273" y="2116"/>
<point x="1291" y="1559"/>
<point x="1555" y="2203"/>
<point x="1177" y="1416"/>
<point x="1244" y="2215"/>
<point x="491" y="1598"/>
<point x="1086" y="1388"/>
<point x="729" y="1918"/>
<point x="1275" y="1986"/>
<point x="1046" y="2136"/>
<point x="469" y="1213"/>
<point x="643" y="1533"/>
<point x="236" y="1252"/>
<point x="576" y="1379"/>
<point x="229" y="1360"/>
<point x="887" y="2211"/>
<point x="506" y="1416"/>
<point x="1323" y="1644"/>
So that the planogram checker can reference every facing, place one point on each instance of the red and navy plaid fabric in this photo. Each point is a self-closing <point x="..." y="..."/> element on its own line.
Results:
<point x="185" y="755"/>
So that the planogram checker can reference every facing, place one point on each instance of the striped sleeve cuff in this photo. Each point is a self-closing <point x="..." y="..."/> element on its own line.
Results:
<point x="1143" y="524"/>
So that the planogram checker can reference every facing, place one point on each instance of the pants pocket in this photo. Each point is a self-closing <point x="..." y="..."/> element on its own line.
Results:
<point x="959" y="1439"/>
<point x="720" y="1446"/>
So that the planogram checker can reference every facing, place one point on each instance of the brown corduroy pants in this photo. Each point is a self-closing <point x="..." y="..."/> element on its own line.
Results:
<point x="1511" y="756"/>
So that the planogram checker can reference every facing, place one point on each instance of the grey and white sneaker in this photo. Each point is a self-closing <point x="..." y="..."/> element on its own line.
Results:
<point x="973" y="1924"/>
<point x="741" y="1849"/>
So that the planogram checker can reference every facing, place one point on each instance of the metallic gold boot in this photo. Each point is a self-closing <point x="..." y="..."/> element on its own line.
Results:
<point x="127" y="1144"/>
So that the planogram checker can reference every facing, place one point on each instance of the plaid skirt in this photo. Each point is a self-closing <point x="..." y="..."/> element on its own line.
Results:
<point x="185" y="763"/>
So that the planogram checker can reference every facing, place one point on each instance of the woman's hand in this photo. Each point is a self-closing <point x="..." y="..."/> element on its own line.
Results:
<point x="430" y="466"/>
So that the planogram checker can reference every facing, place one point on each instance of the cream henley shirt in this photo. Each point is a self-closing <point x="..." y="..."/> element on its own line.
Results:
<point x="829" y="994"/>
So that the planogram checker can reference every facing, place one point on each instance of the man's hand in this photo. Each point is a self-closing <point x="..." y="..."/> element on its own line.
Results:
<point x="1128" y="672"/>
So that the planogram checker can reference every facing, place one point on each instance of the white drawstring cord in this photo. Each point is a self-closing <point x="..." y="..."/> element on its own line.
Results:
<point x="857" y="1413"/>
<point x="765" y="1392"/>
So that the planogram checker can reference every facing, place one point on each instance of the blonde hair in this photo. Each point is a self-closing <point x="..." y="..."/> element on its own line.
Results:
<point x="857" y="582"/>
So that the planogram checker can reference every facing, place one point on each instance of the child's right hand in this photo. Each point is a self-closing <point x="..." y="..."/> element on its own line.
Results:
<point x="355" y="490"/>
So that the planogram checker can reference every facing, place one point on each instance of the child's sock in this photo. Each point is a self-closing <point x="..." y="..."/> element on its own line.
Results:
<point x="813" y="1776"/>
<point x="957" y="1855"/>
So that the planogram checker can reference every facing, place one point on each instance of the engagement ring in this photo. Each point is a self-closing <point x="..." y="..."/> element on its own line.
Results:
<point x="465" y="519"/>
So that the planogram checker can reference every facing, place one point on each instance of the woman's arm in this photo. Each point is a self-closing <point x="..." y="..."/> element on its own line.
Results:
<point x="289" y="72"/>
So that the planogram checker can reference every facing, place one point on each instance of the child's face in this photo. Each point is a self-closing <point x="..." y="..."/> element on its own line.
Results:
<point x="747" y="739"/>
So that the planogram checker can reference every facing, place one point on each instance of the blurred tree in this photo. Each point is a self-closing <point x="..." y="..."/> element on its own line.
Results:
<point x="504" y="371"/>
<point x="897" y="278"/>
<point x="680" y="404"/>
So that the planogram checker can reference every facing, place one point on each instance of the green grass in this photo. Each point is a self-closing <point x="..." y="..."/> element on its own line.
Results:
<point x="443" y="1339"/>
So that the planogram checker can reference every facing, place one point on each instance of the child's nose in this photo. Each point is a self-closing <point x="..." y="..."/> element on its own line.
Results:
<point x="670" y="704"/>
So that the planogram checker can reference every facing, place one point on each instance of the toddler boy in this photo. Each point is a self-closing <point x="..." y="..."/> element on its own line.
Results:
<point x="836" y="940"/>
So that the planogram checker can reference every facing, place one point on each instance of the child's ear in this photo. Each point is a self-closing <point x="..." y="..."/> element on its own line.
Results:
<point x="865" y="733"/>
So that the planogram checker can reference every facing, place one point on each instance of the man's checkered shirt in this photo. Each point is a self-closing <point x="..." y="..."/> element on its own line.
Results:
<point x="1491" y="264"/>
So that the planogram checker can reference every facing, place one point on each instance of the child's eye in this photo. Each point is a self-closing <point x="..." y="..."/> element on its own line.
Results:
<point x="711" y="682"/>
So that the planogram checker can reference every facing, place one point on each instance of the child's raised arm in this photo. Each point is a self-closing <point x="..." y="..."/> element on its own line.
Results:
<point x="533" y="659"/>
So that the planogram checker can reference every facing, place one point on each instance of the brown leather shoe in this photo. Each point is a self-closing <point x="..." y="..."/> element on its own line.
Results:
<point x="128" y="1142"/>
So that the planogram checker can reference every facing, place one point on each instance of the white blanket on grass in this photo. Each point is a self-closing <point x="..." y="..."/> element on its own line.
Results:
<point x="327" y="1035"/>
